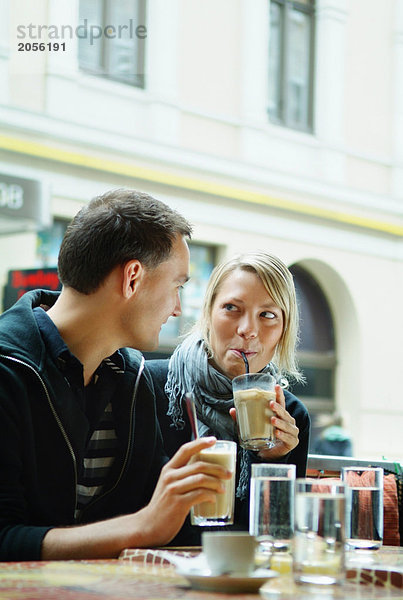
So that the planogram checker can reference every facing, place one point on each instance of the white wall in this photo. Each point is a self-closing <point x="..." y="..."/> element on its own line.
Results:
<point x="203" y="116"/>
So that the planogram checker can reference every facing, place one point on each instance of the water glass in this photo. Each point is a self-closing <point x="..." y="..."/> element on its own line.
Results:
<point x="364" y="507"/>
<point x="318" y="544"/>
<point x="220" y="512"/>
<point x="271" y="514"/>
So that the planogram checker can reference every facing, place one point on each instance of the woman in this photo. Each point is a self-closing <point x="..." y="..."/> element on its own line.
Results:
<point x="249" y="307"/>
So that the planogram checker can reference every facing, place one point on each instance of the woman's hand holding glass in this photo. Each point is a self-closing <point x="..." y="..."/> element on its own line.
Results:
<point x="286" y="432"/>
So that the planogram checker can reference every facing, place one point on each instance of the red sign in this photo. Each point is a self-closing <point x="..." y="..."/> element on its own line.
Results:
<point x="32" y="279"/>
<point x="23" y="280"/>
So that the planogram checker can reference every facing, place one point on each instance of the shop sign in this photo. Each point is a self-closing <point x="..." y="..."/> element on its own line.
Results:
<point x="21" y="198"/>
<point x="22" y="280"/>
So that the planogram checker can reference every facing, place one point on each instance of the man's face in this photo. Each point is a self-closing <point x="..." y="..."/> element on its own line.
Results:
<point x="157" y="298"/>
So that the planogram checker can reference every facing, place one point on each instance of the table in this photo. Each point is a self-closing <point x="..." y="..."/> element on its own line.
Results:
<point x="145" y="576"/>
<point x="370" y="576"/>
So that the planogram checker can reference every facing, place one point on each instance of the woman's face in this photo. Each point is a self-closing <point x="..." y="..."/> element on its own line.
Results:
<point x="244" y="318"/>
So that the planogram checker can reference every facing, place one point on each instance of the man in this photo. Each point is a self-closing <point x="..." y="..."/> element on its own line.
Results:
<point x="80" y="451"/>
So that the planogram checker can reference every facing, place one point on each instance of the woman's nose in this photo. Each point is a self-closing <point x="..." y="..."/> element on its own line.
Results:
<point x="247" y="327"/>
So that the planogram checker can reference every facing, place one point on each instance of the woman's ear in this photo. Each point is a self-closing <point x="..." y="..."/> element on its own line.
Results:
<point x="132" y="275"/>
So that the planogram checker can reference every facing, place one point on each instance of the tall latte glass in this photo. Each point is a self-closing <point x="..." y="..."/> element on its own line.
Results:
<point x="221" y="512"/>
<point x="253" y="393"/>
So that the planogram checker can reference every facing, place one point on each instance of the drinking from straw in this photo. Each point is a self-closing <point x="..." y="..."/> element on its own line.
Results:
<point x="245" y="360"/>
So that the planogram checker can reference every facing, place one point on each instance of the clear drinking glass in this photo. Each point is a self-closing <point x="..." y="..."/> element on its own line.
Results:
<point x="221" y="512"/>
<point x="318" y="544"/>
<point x="364" y="507"/>
<point x="271" y="507"/>
<point x="253" y="393"/>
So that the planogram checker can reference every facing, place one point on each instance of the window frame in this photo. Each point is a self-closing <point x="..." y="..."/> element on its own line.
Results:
<point x="284" y="118"/>
<point x="138" y="77"/>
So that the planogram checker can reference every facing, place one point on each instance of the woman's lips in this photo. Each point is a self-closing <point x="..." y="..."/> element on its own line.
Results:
<point x="248" y="353"/>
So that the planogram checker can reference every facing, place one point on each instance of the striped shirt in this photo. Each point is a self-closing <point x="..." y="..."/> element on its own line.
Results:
<point x="98" y="458"/>
<point x="94" y="400"/>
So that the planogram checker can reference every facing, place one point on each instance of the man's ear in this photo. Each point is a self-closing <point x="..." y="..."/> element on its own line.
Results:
<point x="132" y="274"/>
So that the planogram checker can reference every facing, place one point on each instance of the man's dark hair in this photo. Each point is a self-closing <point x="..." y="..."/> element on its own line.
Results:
<point x="112" y="229"/>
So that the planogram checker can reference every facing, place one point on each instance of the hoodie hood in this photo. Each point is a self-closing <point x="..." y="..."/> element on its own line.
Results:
<point x="19" y="333"/>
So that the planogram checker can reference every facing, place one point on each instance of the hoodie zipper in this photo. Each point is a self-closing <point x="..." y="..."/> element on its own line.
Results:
<point x="56" y="416"/>
<point x="65" y="436"/>
<point x="129" y="443"/>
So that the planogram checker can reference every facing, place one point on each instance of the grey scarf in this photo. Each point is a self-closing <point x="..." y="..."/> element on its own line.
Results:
<point x="190" y="371"/>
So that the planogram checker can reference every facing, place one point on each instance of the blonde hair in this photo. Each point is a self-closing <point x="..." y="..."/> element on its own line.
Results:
<point x="279" y="284"/>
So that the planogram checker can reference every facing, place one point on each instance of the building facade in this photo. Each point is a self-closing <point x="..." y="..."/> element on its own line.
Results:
<point x="269" y="124"/>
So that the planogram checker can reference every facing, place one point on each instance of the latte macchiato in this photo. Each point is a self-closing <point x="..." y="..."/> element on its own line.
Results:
<point x="252" y="396"/>
<point x="221" y="512"/>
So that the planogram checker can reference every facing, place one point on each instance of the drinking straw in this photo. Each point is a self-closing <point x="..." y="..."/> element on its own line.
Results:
<point x="191" y="410"/>
<point x="245" y="360"/>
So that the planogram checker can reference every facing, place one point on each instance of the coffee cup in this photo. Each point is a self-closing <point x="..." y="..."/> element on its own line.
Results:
<point x="229" y="552"/>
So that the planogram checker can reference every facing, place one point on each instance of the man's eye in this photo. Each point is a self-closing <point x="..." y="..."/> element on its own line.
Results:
<point x="267" y="314"/>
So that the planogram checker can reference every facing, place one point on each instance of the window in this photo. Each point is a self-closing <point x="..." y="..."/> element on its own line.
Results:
<point x="291" y="48"/>
<point x="316" y="352"/>
<point x="112" y="42"/>
<point x="48" y="243"/>
<point x="202" y="262"/>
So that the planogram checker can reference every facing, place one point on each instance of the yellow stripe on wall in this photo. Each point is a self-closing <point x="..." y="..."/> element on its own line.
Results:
<point x="51" y="153"/>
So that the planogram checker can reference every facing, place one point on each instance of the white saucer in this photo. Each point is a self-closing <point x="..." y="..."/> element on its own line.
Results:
<point x="204" y="580"/>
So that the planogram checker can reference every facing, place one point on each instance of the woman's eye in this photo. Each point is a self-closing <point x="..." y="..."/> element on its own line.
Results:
<point x="267" y="314"/>
<point x="229" y="307"/>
